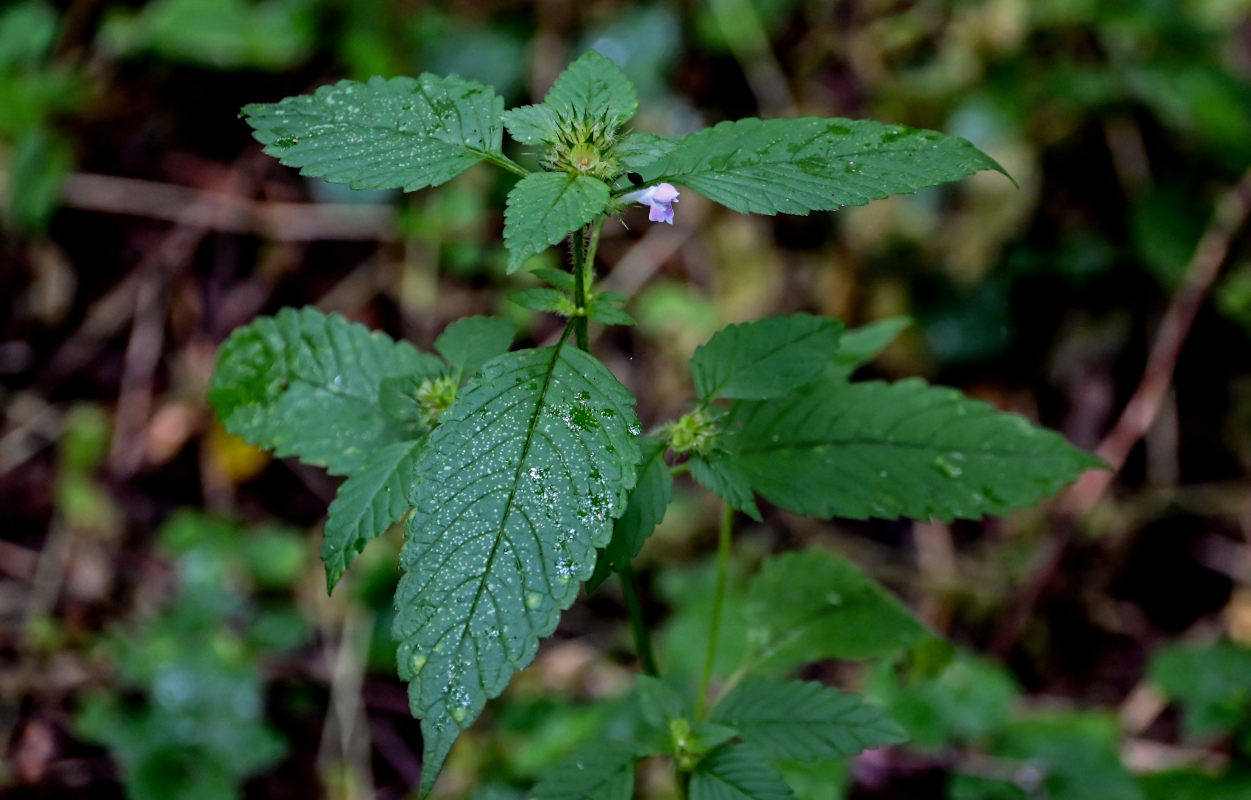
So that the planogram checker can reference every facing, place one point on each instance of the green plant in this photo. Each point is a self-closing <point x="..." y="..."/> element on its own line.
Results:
<point x="523" y="473"/>
<point x="200" y="729"/>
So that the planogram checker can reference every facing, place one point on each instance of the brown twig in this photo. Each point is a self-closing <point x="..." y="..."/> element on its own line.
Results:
<point x="227" y="212"/>
<point x="1144" y="406"/>
<point x="1142" y="409"/>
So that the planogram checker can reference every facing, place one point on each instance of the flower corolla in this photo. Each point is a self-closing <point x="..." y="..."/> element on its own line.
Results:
<point x="660" y="198"/>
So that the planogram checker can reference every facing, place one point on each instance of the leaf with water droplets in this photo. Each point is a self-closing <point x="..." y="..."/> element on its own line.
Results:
<point x="592" y="91"/>
<point x="804" y="721"/>
<point x="514" y="491"/>
<point x="907" y="449"/>
<point x="812" y="604"/>
<point x="545" y="207"/>
<point x="643" y="513"/>
<point x="795" y="166"/>
<point x="393" y="133"/>
<point x="306" y="384"/>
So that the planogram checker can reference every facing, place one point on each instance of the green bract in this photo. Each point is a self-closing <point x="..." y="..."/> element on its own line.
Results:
<point x="521" y="474"/>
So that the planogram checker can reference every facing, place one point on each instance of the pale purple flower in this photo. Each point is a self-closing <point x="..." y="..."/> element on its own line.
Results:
<point x="660" y="198"/>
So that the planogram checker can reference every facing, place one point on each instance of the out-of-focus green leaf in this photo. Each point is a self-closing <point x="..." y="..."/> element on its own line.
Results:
<point x="735" y="772"/>
<point x="812" y="604"/>
<point x="223" y="34"/>
<point x="1076" y="753"/>
<point x="804" y="721"/>
<point x="27" y="32"/>
<point x="1192" y="784"/>
<point x="967" y="702"/>
<point x="1211" y="683"/>
<point x="718" y="472"/>
<point x="599" y="770"/>
<point x="37" y="168"/>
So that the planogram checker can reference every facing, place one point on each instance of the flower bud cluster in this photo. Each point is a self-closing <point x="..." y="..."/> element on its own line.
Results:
<point x="582" y="148"/>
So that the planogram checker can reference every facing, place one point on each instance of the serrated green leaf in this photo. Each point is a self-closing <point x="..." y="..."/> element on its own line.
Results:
<point x="397" y="397"/>
<point x="862" y="345"/>
<point x="659" y="701"/>
<point x="515" y="489"/>
<point x="795" y="166"/>
<point x="368" y="502"/>
<point x="647" y="505"/>
<point x="601" y="770"/>
<point x="637" y="150"/>
<point x="305" y="384"/>
<point x="861" y="450"/>
<point x="536" y="124"/>
<point x="606" y="310"/>
<point x="394" y="133"/>
<point x="543" y="299"/>
<point x="764" y="359"/>
<point x="719" y="473"/>
<point x="804" y="721"/>
<point x="555" y="277"/>
<point x="807" y="605"/>
<point x="737" y="773"/>
<point x="826" y="779"/>
<point x="470" y="342"/>
<point x="545" y="207"/>
<point x="593" y="89"/>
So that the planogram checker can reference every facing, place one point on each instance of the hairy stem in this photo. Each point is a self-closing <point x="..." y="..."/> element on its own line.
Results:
<point x="580" y="288"/>
<point x="718" y="600"/>
<point x="583" y="275"/>
<point x="642" y="638"/>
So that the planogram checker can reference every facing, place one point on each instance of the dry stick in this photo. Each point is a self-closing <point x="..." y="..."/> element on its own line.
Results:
<point x="346" y="734"/>
<point x="1231" y="213"/>
<point x="146" y="343"/>
<point x="227" y="212"/>
<point x="1140" y="412"/>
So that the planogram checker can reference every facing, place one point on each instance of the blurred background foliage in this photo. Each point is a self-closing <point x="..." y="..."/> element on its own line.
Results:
<point x="162" y="636"/>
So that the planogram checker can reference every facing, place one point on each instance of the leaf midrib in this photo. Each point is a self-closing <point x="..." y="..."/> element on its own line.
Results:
<point x="854" y="442"/>
<point x="325" y="121"/>
<point x="512" y="494"/>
